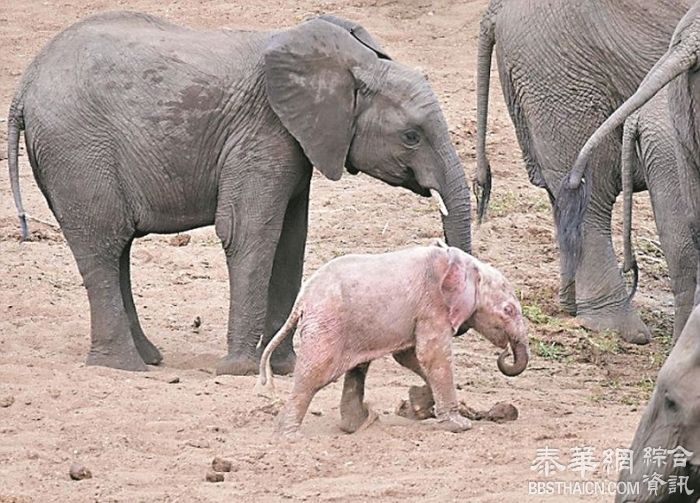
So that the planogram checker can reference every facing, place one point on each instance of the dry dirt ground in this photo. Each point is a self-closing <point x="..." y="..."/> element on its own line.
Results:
<point x="147" y="439"/>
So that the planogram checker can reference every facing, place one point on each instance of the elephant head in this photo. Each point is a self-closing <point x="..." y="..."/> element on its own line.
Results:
<point x="349" y="106"/>
<point x="479" y="296"/>
<point x="575" y="191"/>
<point x="671" y="421"/>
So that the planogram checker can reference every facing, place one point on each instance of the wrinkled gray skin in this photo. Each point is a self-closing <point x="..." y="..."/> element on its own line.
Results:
<point x="134" y="125"/>
<point x="671" y="418"/>
<point x="564" y="66"/>
<point x="677" y="69"/>
<point x="648" y="141"/>
<point x="427" y="295"/>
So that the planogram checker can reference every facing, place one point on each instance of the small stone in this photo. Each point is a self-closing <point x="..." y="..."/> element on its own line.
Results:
<point x="502" y="412"/>
<point x="214" y="476"/>
<point x="198" y="444"/>
<point x="197" y="322"/>
<point x="79" y="472"/>
<point x="221" y="465"/>
<point x="6" y="401"/>
<point x="180" y="240"/>
<point x="173" y="380"/>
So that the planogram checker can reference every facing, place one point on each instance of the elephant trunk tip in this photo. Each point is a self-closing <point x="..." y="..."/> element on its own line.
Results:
<point x="520" y="360"/>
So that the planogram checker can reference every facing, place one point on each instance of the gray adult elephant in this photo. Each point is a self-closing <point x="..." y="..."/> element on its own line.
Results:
<point x="671" y="425"/>
<point x="648" y="141"/>
<point x="134" y="125"/>
<point x="564" y="66"/>
<point x="677" y="69"/>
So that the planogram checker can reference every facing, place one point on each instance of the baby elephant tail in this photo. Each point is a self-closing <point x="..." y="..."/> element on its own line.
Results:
<point x="288" y="328"/>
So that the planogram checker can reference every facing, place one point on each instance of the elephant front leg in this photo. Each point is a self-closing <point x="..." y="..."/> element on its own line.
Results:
<point x="434" y="354"/>
<point x="250" y="248"/>
<point x="285" y="282"/>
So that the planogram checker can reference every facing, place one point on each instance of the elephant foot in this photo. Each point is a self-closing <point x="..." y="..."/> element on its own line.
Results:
<point x="149" y="353"/>
<point x="127" y="359"/>
<point x="567" y="297"/>
<point x="352" y="421"/>
<point x="627" y="324"/>
<point x="453" y="422"/>
<point x="237" y="365"/>
<point x="283" y="365"/>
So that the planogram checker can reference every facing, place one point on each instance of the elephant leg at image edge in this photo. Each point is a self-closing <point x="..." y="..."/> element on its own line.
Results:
<point x="285" y="282"/>
<point x="601" y="296"/>
<point x="146" y="349"/>
<point x="354" y="414"/>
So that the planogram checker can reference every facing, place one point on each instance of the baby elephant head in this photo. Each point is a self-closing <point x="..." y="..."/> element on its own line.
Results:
<point x="478" y="296"/>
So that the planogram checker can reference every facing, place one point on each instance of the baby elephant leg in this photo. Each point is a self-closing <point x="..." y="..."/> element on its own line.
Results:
<point x="420" y="398"/>
<point x="354" y="414"/>
<point x="309" y="378"/>
<point x="434" y="354"/>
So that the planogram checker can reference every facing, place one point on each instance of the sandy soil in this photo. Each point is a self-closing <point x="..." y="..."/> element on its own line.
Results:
<point x="145" y="438"/>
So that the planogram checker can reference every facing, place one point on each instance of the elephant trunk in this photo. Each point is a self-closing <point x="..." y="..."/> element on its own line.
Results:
<point x="521" y="356"/>
<point x="455" y="193"/>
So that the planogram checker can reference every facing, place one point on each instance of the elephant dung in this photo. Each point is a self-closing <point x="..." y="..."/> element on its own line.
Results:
<point x="221" y="465"/>
<point x="214" y="476"/>
<point x="78" y="471"/>
<point x="500" y="413"/>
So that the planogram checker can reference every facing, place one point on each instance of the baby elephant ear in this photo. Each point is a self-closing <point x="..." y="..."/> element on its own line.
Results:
<point x="311" y="88"/>
<point x="458" y="287"/>
<point x="357" y="31"/>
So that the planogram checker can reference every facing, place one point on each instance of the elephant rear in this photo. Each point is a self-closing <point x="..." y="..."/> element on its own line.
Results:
<point x="124" y="98"/>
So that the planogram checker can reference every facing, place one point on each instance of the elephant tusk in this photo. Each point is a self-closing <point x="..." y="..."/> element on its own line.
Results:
<point x="441" y="204"/>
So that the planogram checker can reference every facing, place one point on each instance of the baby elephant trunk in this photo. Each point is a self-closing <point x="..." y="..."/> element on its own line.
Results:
<point x="520" y="358"/>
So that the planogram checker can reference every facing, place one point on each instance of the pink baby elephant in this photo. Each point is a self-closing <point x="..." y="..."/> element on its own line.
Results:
<point x="409" y="303"/>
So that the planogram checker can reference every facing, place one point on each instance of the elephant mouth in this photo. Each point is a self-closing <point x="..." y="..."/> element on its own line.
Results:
<point x="410" y="182"/>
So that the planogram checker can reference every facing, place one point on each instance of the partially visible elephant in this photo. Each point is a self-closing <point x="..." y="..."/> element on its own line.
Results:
<point x="134" y="125"/>
<point x="677" y="69"/>
<point x="648" y="141"/>
<point x="671" y="424"/>
<point x="564" y="66"/>
<point x="427" y="295"/>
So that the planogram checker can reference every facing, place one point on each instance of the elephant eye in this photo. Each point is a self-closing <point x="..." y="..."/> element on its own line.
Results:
<point x="670" y="404"/>
<point x="410" y="137"/>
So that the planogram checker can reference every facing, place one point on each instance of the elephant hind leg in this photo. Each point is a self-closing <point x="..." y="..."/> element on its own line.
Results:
<point x="146" y="349"/>
<point x="354" y="414"/>
<point x="312" y="373"/>
<point x="112" y="344"/>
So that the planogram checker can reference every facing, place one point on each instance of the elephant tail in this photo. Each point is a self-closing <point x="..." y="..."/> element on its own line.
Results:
<point x="15" y="123"/>
<point x="287" y="328"/>
<point x="630" y="136"/>
<point x="487" y="41"/>
<point x="575" y="191"/>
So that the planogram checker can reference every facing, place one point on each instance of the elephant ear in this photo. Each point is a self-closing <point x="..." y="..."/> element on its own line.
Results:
<point x="311" y="88"/>
<point x="459" y="287"/>
<point x="358" y="31"/>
